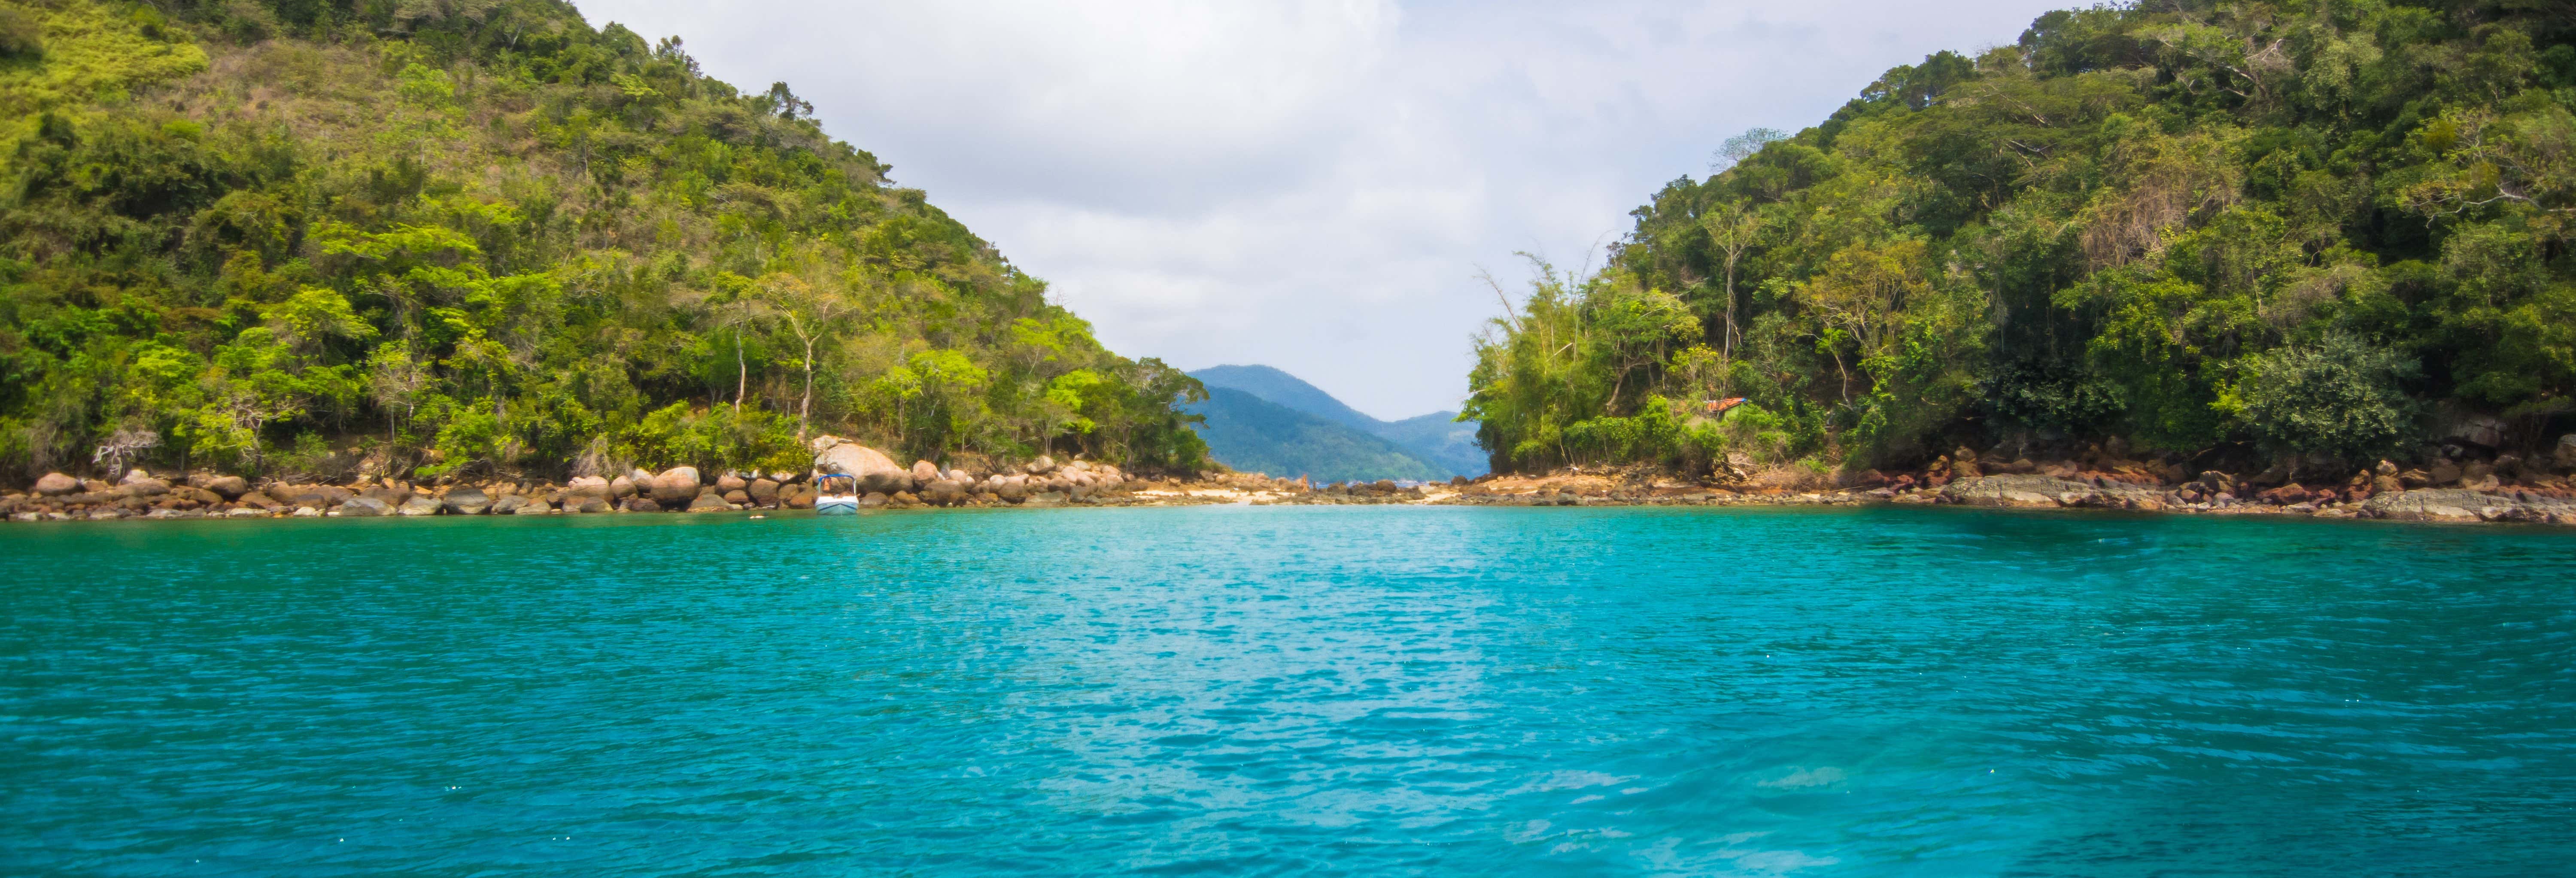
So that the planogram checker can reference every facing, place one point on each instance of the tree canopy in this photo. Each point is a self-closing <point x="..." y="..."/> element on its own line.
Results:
<point x="2319" y="230"/>
<point x="481" y="235"/>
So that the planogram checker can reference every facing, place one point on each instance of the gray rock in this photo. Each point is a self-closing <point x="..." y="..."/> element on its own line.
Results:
<point x="231" y="487"/>
<point x="143" y="487"/>
<point x="2565" y="454"/>
<point x="875" y="471"/>
<point x="731" y="482"/>
<point x="586" y="486"/>
<point x="587" y="505"/>
<point x="763" y="492"/>
<point x="467" y="501"/>
<point x="418" y="505"/>
<point x="2027" y="490"/>
<point x="247" y="512"/>
<point x="534" y="506"/>
<point x="508" y="504"/>
<point x="621" y="487"/>
<point x="924" y="472"/>
<point x="642" y="504"/>
<point x="709" y="503"/>
<point x="677" y="483"/>
<point x="1040" y="466"/>
<point x="57" y="484"/>
<point x="2438" y="504"/>
<point x="364" y="507"/>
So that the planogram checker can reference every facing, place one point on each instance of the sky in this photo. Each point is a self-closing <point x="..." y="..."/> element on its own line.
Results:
<point x="1314" y="186"/>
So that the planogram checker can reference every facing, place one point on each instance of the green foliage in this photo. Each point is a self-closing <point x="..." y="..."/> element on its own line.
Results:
<point x="2339" y="398"/>
<point x="488" y="237"/>
<point x="2172" y="223"/>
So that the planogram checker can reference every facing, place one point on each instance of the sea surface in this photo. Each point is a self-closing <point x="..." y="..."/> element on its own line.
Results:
<point x="1289" y="691"/>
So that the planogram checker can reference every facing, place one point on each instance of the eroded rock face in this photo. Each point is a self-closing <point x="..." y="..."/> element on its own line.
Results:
<point x="2041" y="491"/>
<point x="57" y="484"/>
<point x="678" y="483"/>
<point x="2439" y="504"/>
<point x="876" y="472"/>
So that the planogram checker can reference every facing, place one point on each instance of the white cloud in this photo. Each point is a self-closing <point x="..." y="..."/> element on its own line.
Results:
<point x="1309" y="185"/>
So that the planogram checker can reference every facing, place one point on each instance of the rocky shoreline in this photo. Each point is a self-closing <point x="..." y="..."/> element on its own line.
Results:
<point x="2473" y="493"/>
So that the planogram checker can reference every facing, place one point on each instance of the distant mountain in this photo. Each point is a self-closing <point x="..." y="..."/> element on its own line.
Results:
<point x="1252" y="434"/>
<point x="1437" y="438"/>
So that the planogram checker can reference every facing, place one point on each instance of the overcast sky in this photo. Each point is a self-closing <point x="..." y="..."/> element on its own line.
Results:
<point x="1312" y="186"/>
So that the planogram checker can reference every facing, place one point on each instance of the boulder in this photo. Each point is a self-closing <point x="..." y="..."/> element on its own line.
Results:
<point x="534" y="506"/>
<point x="2444" y="472"/>
<point x="1040" y="466"/>
<point x="467" y="501"/>
<point x="586" y="486"/>
<point x="621" y="487"/>
<point x="199" y="495"/>
<point x="708" y="503"/>
<point x="945" y="492"/>
<point x="588" y="505"/>
<point x="872" y="500"/>
<point x="642" y="504"/>
<point x="143" y="487"/>
<point x="2286" y="495"/>
<point x="1012" y="488"/>
<point x="229" y="486"/>
<point x="307" y="512"/>
<point x="676" y="483"/>
<point x="509" y="503"/>
<point x="730" y="482"/>
<point x="2564" y="455"/>
<point x="738" y="497"/>
<point x="763" y="492"/>
<point x="876" y="472"/>
<point x="924" y="472"/>
<point x="419" y="505"/>
<point x="364" y="507"/>
<point x="801" y="497"/>
<point x="95" y="486"/>
<point x="57" y="484"/>
<point x="262" y="501"/>
<point x="2478" y="475"/>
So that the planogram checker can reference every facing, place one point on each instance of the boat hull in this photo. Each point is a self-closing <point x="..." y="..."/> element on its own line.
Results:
<point x="836" y="506"/>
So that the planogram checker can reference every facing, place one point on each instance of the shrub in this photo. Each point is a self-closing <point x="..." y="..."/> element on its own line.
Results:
<point x="2338" y="398"/>
<point x="21" y="36"/>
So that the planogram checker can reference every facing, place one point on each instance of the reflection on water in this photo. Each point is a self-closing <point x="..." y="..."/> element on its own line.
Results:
<point x="1286" y="690"/>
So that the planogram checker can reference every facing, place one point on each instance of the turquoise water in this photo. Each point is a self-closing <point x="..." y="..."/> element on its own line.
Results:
<point x="1280" y="690"/>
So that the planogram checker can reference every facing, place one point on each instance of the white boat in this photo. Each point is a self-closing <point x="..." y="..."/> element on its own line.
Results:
<point x="836" y="494"/>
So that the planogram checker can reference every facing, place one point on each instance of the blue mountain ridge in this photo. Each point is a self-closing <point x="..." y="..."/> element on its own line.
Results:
<point x="1438" y="440"/>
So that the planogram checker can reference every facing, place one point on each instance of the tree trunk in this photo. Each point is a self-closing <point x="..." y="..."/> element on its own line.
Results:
<point x="741" y="374"/>
<point x="805" y="407"/>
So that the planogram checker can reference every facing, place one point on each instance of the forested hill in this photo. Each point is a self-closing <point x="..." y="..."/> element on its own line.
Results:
<point x="2325" y="232"/>
<point x="479" y="235"/>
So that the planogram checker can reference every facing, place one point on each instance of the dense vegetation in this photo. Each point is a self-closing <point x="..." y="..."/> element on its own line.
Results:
<point x="469" y="236"/>
<point x="2312" y="232"/>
